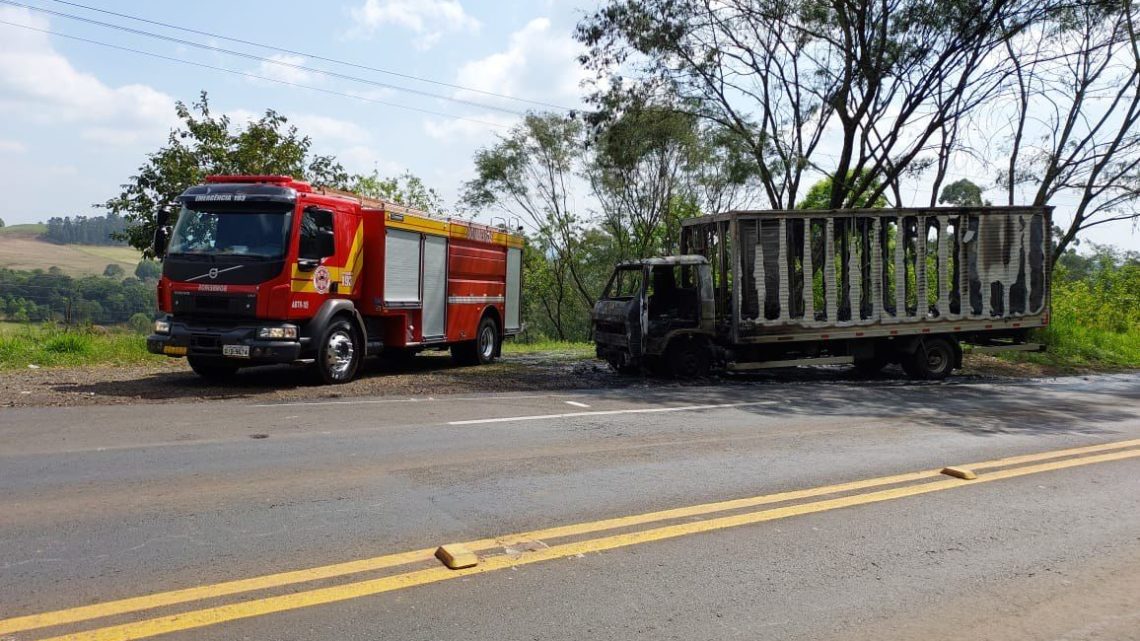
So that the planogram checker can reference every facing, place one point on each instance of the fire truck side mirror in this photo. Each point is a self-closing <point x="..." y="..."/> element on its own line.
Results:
<point x="158" y="244"/>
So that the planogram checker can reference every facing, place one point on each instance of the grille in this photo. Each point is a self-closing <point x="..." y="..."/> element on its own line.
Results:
<point x="215" y="305"/>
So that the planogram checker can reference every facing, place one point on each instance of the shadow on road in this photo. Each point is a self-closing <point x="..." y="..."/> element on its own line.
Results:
<point x="972" y="404"/>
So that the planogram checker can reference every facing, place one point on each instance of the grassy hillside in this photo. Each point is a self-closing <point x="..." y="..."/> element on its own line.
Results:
<point x="21" y="249"/>
<point x="29" y="229"/>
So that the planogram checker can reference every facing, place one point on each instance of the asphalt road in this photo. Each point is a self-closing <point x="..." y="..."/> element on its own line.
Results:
<point x="102" y="504"/>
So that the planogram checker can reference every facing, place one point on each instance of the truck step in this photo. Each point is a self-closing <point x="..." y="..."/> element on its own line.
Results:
<point x="824" y="360"/>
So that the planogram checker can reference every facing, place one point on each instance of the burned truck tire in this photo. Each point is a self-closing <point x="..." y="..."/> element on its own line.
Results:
<point x="872" y="365"/>
<point x="933" y="360"/>
<point x="212" y="369"/>
<point x="483" y="349"/>
<point x="688" y="358"/>
<point x="338" y="353"/>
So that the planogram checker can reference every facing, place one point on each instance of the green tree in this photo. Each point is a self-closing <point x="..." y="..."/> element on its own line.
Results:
<point x="820" y="196"/>
<point x="206" y="144"/>
<point x="114" y="270"/>
<point x="530" y="174"/>
<point x="148" y="270"/>
<point x="1" y="223"/>
<point x="962" y="193"/>
<point x="653" y="165"/>
<point x="406" y="189"/>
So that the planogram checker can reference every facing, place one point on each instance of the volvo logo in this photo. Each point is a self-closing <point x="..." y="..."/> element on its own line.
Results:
<point x="213" y="273"/>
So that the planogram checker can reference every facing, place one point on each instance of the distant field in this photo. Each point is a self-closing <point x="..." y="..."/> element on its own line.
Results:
<point x="20" y="249"/>
<point x="31" y="229"/>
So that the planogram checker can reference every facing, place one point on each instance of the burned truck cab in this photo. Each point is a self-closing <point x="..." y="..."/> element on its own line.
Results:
<point x="657" y="313"/>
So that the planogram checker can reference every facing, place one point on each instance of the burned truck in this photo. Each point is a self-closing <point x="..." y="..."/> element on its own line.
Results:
<point x="867" y="287"/>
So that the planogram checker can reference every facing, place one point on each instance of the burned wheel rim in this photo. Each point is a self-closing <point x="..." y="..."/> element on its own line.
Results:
<point x="340" y="351"/>
<point x="936" y="360"/>
<point x="487" y="342"/>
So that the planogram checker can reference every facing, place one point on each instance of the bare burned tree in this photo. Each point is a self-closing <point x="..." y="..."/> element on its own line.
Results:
<point x="854" y="89"/>
<point x="1076" y="133"/>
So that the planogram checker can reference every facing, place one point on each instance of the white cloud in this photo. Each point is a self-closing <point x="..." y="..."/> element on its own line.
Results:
<point x="470" y="130"/>
<point x="363" y="159"/>
<point x="39" y="85"/>
<point x="428" y="19"/>
<point x="12" y="147"/>
<point x="538" y="63"/>
<point x="323" y="129"/>
<point x="283" y="67"/>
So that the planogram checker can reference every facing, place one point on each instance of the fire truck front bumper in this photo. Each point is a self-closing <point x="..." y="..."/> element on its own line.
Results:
<point x="249" y="344"/>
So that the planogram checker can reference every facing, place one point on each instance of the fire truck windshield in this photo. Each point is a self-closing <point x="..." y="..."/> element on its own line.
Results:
<point x="255" y="231"/>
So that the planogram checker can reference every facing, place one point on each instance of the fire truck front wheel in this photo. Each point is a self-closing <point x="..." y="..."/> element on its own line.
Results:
<point x="483" y="349"/>
<point x="338" y="353"/>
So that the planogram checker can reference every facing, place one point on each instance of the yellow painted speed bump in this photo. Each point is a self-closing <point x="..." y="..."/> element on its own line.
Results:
<point x="456" y="556"/>
<point x="960" y="473"/>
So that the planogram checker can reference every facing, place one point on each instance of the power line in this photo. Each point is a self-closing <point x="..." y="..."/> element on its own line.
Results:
<point x="250" y="75"/>
<point x="262" y="59"/>
<point x="314" y="56"/>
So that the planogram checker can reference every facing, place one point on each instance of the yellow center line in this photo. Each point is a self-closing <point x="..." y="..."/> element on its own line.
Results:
<point x="321" y="596"/>
<point x="174" y="597"/>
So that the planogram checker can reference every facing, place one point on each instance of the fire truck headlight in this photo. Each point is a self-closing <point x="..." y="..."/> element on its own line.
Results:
<point x="284" y="332"/>
<point x="162" y="326"/>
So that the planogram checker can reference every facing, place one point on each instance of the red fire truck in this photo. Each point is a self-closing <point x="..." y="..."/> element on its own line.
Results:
<point x="268" y="269"/>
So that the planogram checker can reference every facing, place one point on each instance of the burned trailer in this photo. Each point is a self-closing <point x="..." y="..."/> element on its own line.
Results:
<point x="865" y="286"/>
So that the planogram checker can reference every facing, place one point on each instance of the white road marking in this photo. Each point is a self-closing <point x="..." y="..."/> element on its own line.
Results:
<point x="576" y="404"/>
<point x="383" y="401"/>
<point x="652" y="410"/>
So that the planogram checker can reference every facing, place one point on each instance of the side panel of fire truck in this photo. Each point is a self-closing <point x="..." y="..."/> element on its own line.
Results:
<point x="514" y="289"/>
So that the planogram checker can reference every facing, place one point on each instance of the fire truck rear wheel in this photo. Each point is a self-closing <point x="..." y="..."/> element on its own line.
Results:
<point x="211" y="369"/>
<point x="483" y="349"/>
<point x="338" y="354"/>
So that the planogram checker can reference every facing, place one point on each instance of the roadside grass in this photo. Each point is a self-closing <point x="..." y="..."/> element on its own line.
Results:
<point x="1095" y="323"/>
<point x="565" y="349"/>
<point x="51" y="346"/>
<point x="1073" y="347"/>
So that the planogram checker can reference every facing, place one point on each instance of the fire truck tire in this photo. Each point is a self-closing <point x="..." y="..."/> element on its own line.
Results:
<point x="212" y="369"/>
<point x="338" y="353"/>
<point x="933" y="360"/>
<point x="483" y="349"/>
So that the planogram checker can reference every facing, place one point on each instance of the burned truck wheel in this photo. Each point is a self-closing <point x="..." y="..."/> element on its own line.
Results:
<point x="689" y="357"/>
<point x="932" y="360"/>
<point x="212" y="369"/>
<point x="338" y="354"/>
<point x="624" y="368"/>
<point x="483" y="349"/>
<point x="872" y="365"/>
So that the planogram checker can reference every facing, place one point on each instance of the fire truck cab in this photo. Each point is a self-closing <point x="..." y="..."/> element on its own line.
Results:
<point x="268" y="269"/>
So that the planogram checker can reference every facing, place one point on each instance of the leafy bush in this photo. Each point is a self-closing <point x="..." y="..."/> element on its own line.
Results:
<point x="141" y="323"/>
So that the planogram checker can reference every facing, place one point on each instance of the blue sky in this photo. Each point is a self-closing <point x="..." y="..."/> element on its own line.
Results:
<point x="77" y="119"/>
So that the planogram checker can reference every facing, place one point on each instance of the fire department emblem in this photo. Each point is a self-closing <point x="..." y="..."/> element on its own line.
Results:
<point x="321" y="280"/>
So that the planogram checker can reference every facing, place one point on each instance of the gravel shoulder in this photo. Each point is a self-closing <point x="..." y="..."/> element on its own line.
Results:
<point x="424" y="375"/>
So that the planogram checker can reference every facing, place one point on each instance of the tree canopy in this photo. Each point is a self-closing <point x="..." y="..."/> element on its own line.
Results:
<point x="205" y="144"/>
